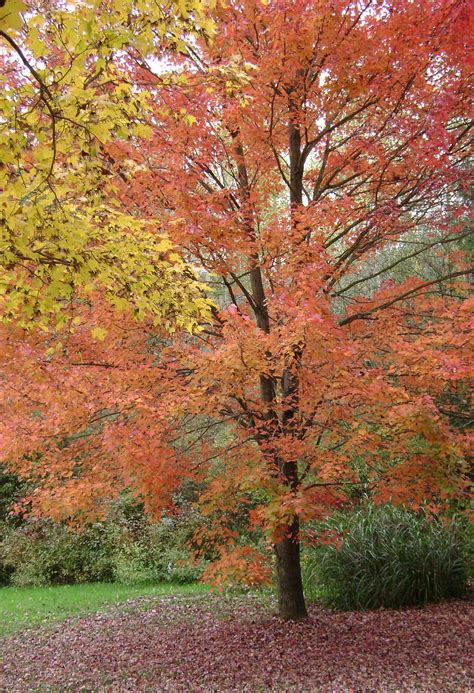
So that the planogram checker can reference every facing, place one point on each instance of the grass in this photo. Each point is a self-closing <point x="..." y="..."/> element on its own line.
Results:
<point x="26" y="607"/>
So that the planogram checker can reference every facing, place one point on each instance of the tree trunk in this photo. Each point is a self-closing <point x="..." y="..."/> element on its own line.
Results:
<point x="290" y="586"/>
<point x="291" y="603"/>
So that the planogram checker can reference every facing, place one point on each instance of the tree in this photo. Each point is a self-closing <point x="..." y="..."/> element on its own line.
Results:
<point x="287" y="159"/>
<point x="64" y="100"/>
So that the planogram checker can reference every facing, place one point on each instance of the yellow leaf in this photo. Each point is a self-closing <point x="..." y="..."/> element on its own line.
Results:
<point x="10" y="14"/>
<point x="99" y="333"/>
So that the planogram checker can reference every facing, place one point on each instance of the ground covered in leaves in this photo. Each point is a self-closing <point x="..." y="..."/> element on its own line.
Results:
<point x="214" y="643"/>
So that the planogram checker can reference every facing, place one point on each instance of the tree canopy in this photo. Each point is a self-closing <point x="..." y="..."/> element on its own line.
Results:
<point x="302" y="161"/>
<point x="65" y="100"/>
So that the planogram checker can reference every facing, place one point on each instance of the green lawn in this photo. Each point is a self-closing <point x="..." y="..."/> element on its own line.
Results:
<point x="24" y="607"/>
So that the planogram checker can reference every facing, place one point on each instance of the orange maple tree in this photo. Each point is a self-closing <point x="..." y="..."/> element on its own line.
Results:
<point x="306" y="162"/>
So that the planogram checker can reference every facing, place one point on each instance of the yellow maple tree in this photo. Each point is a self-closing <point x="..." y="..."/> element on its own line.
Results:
<point x="64" y="99"/>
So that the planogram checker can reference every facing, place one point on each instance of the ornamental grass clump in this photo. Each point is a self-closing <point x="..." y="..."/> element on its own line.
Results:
<point x="390" y="557"/>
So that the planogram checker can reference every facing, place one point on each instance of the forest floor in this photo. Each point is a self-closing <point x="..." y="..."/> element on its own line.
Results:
<point x="216" y="643"/>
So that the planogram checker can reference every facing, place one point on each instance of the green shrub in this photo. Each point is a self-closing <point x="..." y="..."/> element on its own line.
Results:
<point x="6" y="570"/>
<point x="131" y="565"/>
<point x="43" y="552"/>
<point x="18" y="555"/>
<point x="388" y="557"/>
<point x="125" y="548"/>
<point x="11" y="488"/>
<point x="170" y="555"/>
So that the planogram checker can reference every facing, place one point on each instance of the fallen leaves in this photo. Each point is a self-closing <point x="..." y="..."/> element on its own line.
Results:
<point x="216" y="643"/>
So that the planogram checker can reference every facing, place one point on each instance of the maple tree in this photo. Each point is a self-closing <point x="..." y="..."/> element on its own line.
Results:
<point x="299" y="159"/>
<point x="64" y="98"/>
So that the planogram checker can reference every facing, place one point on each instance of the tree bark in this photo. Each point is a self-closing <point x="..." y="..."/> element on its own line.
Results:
<point x="288" y="566"/>
<point x="291" y="603"/>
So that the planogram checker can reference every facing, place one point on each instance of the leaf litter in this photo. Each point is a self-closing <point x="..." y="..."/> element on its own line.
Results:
<point x="221" y="643"/>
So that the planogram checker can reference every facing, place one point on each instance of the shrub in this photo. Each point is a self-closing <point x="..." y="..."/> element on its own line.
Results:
<point x="43" y="552"/>
<point x="6" y="570"/>
<point x="170" y="555"/>
<point x="127" y="548"/>
<point x="131" y="564"/>
<point x="153" y="551"/>
<point x="10" y="489"/>
<point x="388" y="557"/>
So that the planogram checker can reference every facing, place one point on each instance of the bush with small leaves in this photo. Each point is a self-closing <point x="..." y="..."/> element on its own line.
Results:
<point x="127" y="547"/>
<point x="43" y="552"/>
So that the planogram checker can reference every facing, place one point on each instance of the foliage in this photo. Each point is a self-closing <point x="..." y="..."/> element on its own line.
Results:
<point x="22" y="607"/>
<point x="126" y="547"/>
<point x="64" y="101"/>
<point x="43" y="552"/>
<point x="5" y="570"/>
<point x="285" y="160"/>
<point x="11" y="488"/>
<point x="157" y="552"/>
<point x="386" y="556"/>
<point x="173" y="642"/>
